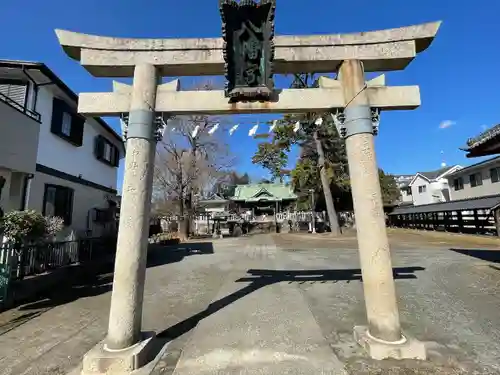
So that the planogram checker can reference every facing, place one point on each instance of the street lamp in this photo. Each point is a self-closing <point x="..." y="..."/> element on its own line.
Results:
<point x="313" y="221"/>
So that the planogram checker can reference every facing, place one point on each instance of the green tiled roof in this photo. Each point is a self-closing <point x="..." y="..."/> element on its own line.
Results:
<point x="256" y="192"/>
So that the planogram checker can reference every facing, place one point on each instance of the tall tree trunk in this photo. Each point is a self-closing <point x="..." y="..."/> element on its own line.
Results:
<point x="330" y="208"/>
<point x="182" y="229"/>
<point x="190" y="193"/>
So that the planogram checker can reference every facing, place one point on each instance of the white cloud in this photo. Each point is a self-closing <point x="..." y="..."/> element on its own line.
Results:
<point x="446" y="124"/>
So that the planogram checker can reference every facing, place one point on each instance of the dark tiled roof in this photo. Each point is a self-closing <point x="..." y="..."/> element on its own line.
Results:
<point x="435" y="174"/>
<point x="482" y="138"/>
<point x="487" y="202"/>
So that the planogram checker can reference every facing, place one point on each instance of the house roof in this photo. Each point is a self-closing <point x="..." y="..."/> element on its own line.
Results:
<point x="432" y="175"/>
<point x="256" y="192"/>
<point x="486" y="203"/>
<point x="485" y="144"/>
<point x="27" y="66"/>
<point x="483" y="163"/>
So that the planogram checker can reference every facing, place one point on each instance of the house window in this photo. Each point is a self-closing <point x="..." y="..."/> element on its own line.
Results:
<point x="495" y="174"/>
<point x="14" y="90"/>
<point x="475" y="179"/>
<point x="422" y="189"/>
<point x="106" y="151"/>
<point x="58" y="201"/>
<point x="66" y="124"/>
<point x="458" y="183"/>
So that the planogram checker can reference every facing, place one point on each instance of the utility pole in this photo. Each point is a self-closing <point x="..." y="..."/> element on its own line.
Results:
<point x="313" y="219"/>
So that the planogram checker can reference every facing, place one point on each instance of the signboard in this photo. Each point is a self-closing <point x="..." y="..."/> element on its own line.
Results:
<point x="248" y="31"/>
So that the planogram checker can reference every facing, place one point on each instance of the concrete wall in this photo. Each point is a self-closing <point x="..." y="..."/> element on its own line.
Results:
<point x="16" y="190"/>
<point x="406" y="197"/>
<point x="18" y="139"/>
<point x="487" y="188"/>
<point x="84" y="198"/>
<point x="11" y="198"/>
<point x="59" y="154"/>
<point x="4" y="199"/>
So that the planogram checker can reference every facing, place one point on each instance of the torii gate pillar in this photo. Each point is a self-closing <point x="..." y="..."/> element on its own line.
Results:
<point x="382" y="338"/>
<point x="126" y="348"/>
<point x="130" y="265"/>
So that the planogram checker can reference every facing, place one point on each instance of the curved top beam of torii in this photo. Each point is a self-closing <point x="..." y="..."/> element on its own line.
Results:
<point x="381" y="50"/>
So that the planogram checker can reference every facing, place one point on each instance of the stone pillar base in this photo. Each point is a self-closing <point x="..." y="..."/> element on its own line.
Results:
<point x="100" y="360"/>
<point x="410" y="348"/>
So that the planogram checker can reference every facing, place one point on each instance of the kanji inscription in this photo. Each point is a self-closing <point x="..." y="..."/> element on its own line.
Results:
<point x="248" y="31"/>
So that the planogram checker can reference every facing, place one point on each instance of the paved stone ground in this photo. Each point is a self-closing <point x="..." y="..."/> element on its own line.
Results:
<point x="242" y="309"/>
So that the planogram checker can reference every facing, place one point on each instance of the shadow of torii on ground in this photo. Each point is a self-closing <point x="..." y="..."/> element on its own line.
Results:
<point x="259" y="278"/>
<point x="483" y="254"/>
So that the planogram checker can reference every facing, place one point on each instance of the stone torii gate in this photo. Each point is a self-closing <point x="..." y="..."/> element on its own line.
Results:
<point x="354" y="102"/>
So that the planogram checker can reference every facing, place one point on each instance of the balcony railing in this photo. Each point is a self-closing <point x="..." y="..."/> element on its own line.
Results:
<point x="21" y="108"/>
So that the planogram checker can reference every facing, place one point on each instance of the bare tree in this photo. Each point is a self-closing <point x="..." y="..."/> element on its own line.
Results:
<point x="192" y="156"/>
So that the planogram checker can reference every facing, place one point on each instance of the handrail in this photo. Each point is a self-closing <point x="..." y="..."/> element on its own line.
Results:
<point x="21" y="108"/>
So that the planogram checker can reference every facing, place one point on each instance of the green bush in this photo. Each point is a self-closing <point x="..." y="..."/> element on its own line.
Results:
<point x="30" y="226"/>
<point x="23" y="226"/>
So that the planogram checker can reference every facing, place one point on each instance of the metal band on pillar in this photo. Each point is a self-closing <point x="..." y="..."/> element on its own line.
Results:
<point x="140" y="130"/>
<point x="363" y="120"/>
<point x="140" y="124"/>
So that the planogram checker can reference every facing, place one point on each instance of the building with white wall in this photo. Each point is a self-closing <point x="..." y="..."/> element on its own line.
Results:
<point x="431" y="187"/>
<point x="403" y="182"/>
<point x="52" y="159"/>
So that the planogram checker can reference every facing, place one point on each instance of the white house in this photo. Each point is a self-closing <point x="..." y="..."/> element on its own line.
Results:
<point x="431" y="187"/>
<point x="52" y="159"/>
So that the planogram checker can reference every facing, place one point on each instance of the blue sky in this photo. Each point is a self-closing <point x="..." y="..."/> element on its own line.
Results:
<point x="457" y="75"/>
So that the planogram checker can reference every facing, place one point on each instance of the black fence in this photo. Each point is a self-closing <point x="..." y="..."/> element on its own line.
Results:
<point x="19" y="261"/>
<point x="463" y="221"/>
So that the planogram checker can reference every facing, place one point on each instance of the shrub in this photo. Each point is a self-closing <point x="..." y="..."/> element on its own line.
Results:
<point x="23" y="226"/>
<point x="164" y="237"/>
<point x="53" y="225"/>
<point x="30" y="226"/>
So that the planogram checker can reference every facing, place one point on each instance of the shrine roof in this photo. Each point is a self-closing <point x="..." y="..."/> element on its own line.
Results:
<point x="485" y="144"/>
<point x="269" y="192"/>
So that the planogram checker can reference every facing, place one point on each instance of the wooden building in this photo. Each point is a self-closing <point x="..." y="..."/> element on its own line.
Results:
<point x="263" y="199"/>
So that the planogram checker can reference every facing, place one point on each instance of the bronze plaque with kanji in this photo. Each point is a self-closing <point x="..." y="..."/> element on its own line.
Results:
<point x="248" y="31"/>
